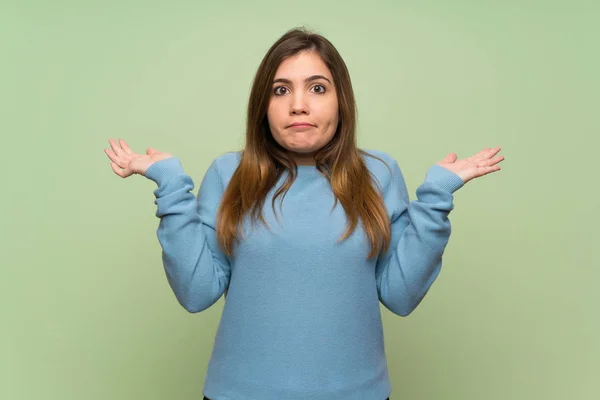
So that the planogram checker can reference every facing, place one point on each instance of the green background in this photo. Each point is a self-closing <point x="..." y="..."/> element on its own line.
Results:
<point x="86" y="310"/>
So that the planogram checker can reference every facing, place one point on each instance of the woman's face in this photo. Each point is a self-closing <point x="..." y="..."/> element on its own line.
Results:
<point x="303" y="92"/>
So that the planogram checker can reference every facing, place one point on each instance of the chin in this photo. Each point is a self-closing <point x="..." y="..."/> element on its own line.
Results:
<point x="303" y="150"/>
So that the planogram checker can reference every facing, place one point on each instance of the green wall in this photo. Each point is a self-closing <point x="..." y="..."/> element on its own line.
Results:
<point x="86" y="311"/>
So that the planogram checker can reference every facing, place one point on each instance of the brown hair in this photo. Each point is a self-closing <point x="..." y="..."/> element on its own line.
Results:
<point x="263" y="160"/>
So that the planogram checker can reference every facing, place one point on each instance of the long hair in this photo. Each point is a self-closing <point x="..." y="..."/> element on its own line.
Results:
<point x="263" y="160"/>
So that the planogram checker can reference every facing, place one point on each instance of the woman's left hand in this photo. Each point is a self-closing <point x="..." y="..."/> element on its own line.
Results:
<point x="477" y="165"/>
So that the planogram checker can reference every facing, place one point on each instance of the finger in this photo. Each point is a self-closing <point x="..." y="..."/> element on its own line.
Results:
<point x="123" y="173"/>
<point x="116" y="147"/>
<point x="492" y="152"/>
<point x="116" y="169"/>
<point x="486" y="153"/>
<point x="497" y="159"/>
<point x="114" y="158"/>
<point x="126" y="148"/>
<point x="450" y="158"/>
<point x="491" y="161"/>
<point x="488" y="170"/>
<point x="111" y="154"/>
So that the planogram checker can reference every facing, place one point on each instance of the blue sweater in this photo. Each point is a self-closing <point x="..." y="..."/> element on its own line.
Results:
<point x="301" y="318"/>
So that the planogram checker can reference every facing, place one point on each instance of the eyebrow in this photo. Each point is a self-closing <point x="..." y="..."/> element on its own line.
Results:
<point x="309" y="79"/>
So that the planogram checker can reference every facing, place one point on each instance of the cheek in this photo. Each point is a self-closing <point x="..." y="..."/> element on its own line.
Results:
<point x="332" y="118"/>
<point x="274" y="113"/>
<point x="332" y="111"/>
<point x="272" y="118"/>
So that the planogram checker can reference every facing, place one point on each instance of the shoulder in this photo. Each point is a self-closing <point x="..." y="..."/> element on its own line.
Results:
<point x="382" y="166"/>
<point x="227" y="161"/>
<point x="225" y="164"/>
<point x="374" y="158"/>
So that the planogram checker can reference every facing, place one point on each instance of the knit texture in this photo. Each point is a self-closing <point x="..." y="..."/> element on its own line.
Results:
<point x="301" y="317"/>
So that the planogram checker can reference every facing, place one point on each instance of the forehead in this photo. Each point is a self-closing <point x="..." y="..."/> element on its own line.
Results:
<point x="302" y="65"/>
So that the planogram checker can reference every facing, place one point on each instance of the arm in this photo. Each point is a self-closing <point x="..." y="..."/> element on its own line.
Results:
<point x="197" y="270"/>
<point x="420" y="232"/>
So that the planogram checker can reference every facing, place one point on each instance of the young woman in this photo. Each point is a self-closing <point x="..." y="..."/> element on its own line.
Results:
<point x="303" y="232"/>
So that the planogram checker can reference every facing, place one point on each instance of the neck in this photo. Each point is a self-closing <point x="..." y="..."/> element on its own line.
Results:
<point x="304" y="158"/>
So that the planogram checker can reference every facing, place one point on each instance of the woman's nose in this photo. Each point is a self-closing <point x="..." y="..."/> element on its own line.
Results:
<point x="299" y="104"/>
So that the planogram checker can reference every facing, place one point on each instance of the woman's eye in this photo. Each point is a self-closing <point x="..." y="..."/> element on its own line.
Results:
<point x="277" y="88"/>
<point x="279" y="92"/>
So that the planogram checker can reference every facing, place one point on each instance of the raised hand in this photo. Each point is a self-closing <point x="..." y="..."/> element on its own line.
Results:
<point x="477" y="165"/>
<point x="125" y="162"/>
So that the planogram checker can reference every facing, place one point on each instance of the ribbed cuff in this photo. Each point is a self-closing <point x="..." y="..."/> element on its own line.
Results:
<point x="444" y="178"/>
<point x="162" y="170"/>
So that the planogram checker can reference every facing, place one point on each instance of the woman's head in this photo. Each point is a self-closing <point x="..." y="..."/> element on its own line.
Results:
<point x="302" y="78"/>
<point x="303" y="92"/>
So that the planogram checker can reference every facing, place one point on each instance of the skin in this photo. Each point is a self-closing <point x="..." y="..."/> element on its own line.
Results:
<point x="479" y="164"/>
<point x="125" y="162"/>
<point x="302" y="99"/>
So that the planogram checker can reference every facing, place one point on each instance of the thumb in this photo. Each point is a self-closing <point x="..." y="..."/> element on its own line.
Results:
<point x="450" y="158"/>
<point x="150" y="151"/>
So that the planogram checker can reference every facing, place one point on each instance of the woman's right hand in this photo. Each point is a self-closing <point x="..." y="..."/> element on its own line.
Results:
<point x="125" y="162"/>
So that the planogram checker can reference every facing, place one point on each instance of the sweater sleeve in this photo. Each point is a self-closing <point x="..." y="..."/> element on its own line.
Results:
<point x="196" y="268"/>
<point x="420" y="233"/>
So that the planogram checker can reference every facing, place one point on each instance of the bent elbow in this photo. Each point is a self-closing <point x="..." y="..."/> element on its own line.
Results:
<point x="193" y="309"/>
<point x="403" y="308"/>
<point x="194" y="306"/>
<point x="404" y="311"/>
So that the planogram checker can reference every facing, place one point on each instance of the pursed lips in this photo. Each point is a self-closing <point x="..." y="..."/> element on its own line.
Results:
<point x="300" y="125"/>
